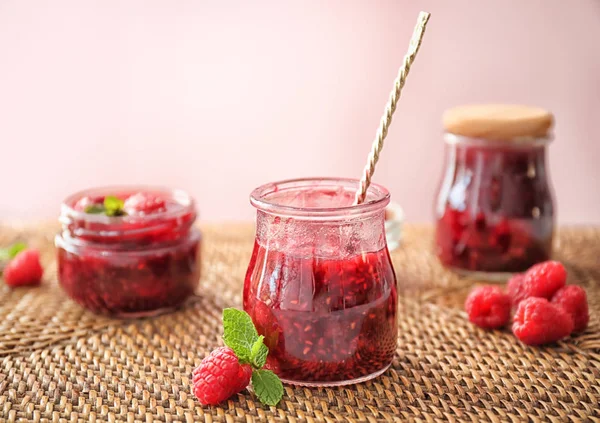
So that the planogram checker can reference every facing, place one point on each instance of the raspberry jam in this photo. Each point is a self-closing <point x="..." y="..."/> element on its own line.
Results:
<point x="320" y="286"/>
<point x="495" y="211"/>
<point x="130" y="265"/>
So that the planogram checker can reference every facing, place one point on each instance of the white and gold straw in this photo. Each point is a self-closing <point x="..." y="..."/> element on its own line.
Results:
<point x="386" y="119"/>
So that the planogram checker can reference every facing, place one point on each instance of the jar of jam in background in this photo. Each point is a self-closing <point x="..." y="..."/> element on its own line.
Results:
<point x="320" y="285"/>
<point x="495" y="211"/>
<point x="137" y="264"/>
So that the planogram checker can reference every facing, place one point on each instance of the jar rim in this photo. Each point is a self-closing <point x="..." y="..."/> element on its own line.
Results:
<point x="116" y="224"/>
<point x="454" y="139"/>
<point x="377" y="197"/>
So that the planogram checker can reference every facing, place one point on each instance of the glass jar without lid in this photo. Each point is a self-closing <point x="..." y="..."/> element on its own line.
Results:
<point x="132" y="265"/>
<point x="495" y="209"/>
<point x="320" y="285"/>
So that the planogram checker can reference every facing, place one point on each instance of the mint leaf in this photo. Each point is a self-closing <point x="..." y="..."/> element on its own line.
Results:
<point x="241" y="336"/>
<point x="16" y="249"/>
<point x="95" y="209"/>
<point x="267" y="387"/>
<point x="113" y="206"/>
<point x="239" y="333"/>
<point x="259" y="352"/>
<point x="12" y="251"/>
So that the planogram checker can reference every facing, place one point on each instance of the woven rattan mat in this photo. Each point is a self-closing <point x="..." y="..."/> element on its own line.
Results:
<point x="61" y="363"/>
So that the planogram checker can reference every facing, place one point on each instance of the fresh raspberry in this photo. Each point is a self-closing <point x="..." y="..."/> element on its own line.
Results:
<point x="25" y="269"/>
<point x="538" y="321"/>
<point x="219" y="376"/>
<point x="144" y="203"/>
<point x="488" y="307"/>
<point x="573" y="300"/>
<point x="544" y="279"/>
<point x="516" y="289"/>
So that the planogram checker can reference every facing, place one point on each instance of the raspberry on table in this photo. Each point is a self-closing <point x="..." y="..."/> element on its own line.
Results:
<point x="573" y="300"/>
<point x="538" y="321"/>
<point x="516" y="289"/>
<point x="488" y="307"/>
<point x="144" y="203"/>
<point x="219" y="376"/>
<point x="24" y="270"/>
<point x="544" y="279"/>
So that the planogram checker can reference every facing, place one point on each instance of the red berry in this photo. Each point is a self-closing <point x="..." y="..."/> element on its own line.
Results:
<point x="488" y="307"/>
<point x="143" y="203"/>
<point x="573" y="300"/>
<point x="544" y="279"/>
<point x="538" y="321"/>
<point x="24" y="269"/>
<point x="219" y="376"/>
<point x="516" y="289"/>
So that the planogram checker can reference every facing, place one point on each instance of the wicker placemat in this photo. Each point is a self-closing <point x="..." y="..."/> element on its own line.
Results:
<point x="61" y="363"/>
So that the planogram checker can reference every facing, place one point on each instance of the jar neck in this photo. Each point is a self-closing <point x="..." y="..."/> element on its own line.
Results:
<point x="507" y="144"/>
<point x="338" y="237"/>
<point x="131" y="231"/>
<point x="503" y="179"/>
<point x="131" y="234"/>
<point x="501" y="157"/>
<point x="317" y="217"/>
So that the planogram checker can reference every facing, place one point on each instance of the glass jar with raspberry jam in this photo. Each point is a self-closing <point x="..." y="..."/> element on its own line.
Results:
<point x="495" y="209"/>
<point x="128" y="251"/>
<point x="320" y="286"/>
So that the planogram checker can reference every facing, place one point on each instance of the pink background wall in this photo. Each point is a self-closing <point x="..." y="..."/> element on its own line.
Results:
<point x="218" y="97"/>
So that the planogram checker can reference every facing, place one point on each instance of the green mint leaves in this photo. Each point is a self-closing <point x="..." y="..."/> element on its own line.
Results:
<point x="112" y="206"/>
<point x="12" y="251"/>
<point x="239" y="333"/>
<point x="258" y="354"/>
<point x="241" y="336"/>
<point x="95" y="209"/>
<point x="267" y="386"/>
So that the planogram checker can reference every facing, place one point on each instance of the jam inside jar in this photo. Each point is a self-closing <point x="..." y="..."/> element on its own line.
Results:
<point x="131" y="265"/>
<point x="320" y="286"/>
<point x="495" y="212"/>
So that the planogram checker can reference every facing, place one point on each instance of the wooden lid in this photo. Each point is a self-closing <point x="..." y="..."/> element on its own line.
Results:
<point x="498" y="121"/>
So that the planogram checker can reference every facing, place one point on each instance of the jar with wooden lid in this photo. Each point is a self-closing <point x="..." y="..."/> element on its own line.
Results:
<point x="495" y="207"/>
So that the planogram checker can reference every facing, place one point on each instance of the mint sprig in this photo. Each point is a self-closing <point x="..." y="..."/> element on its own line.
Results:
<point x="95" y="209"/>
<point x="11" y="252"/>
<point x="241" y="336"/>
<point x="113" y="206"/>
<point x="239" y="333"/>
<point x="267" y="386"/>
<point x="259" y="352"/>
